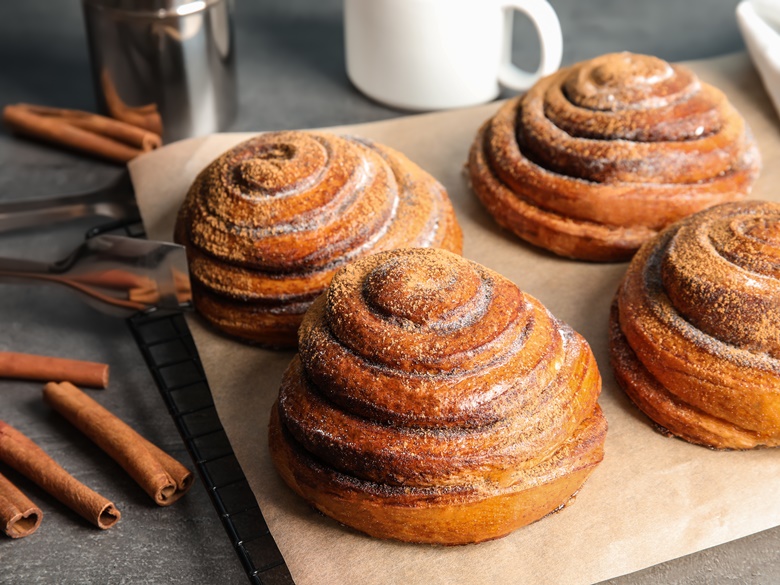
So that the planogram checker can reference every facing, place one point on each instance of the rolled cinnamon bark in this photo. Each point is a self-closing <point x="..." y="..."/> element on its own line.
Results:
<point x="59" y="131"/>
<point x="131" y="135"/>
<point x="37" y="367"/>
<point x="21" y="453"/>
<point x="18" y="515"/>
<point x="160" y="475"/>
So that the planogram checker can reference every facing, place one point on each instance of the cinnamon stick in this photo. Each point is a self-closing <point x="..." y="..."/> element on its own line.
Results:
<point x="43" y="368"/>
<point x="19" y="452"/>
<point x="23" y="121"/>
<point x="131" y="135"/>
<point x="18" y="515"/>
<point x="160" y="475"/>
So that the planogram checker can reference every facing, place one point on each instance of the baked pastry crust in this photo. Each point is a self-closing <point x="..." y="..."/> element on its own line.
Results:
<point x="433" y="401"/>
<point x="595" y="159"/>
<point x="268" y="223"/>
<point x="695" y="327"/>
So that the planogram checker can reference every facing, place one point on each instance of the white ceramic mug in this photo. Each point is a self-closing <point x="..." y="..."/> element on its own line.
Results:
<point x="437" y="54"/>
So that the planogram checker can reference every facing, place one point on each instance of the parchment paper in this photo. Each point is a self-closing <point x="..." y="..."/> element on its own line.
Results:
<point x="652" y="499"/>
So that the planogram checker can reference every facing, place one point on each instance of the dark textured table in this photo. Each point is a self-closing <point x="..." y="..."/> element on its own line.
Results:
<point x="291" y="75"/>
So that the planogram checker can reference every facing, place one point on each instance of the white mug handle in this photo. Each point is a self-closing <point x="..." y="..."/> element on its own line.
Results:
<point x="550" y="37"/>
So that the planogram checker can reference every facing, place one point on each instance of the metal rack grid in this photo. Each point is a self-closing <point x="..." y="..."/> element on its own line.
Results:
<point x="169" y="350"/>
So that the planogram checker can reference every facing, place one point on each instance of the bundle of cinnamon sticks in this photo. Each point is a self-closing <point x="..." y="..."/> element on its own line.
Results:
<point x="105" y="137"/>
<point x="158" y="474"/>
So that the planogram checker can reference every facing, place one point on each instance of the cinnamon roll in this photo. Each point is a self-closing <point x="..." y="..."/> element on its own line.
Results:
<point x="595" y="159"/>
<point x="433" y="401"/>
<point x="695" y="327"/>
<point x="268" y="223"/>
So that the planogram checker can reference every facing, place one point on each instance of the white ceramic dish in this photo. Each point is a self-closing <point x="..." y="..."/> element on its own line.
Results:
<point x="759" y="22"/>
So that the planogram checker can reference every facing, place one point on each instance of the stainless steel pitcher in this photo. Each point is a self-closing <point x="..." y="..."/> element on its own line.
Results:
<point x="168" y="65"/>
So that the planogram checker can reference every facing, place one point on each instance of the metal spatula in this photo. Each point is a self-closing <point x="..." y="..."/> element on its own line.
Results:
<point x="115" y="274"/>
<point x="116" y="200"/>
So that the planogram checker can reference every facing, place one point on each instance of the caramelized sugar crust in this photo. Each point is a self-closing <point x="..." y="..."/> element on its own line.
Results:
<point x="433" y="401"/>
<point x="695" y="327"/>
<point x="268" y="223"/>
<point x="597" y="158"/>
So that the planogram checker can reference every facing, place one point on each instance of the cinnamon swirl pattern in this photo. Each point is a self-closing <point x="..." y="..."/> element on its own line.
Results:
<point x="695" y="328"/>
<point x="595" y="159"/>
<point x="433" y="401"/>
<point x="268" y="223"/>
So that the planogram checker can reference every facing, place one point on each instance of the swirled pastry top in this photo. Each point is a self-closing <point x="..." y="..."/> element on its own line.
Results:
<point x="273" y="218"/>
<point x="433" y="401"/>
<point x="596" y="158"/>
<point x="696" y="327"/>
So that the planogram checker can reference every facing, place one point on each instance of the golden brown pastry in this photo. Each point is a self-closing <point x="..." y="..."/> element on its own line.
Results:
<point x="695" y="327"/>
<point x="598" y="157"/>
<point x="268" y="223"/>
<point x="433" y="401"/>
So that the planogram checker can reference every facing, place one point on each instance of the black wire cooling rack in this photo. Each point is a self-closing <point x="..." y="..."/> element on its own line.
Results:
<point x="166" y="344"/>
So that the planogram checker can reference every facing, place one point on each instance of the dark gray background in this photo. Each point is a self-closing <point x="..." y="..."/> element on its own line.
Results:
<point x="291" y="75"/>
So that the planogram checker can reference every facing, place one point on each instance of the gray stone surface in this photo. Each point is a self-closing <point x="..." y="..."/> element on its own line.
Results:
<point x="291" y="74"/>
